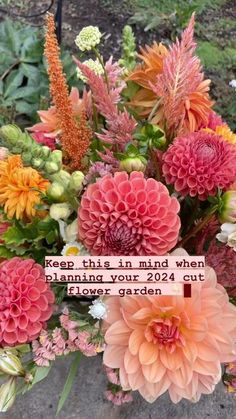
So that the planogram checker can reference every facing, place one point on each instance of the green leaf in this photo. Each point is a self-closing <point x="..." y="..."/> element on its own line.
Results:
<point x="13" y="81"/>
<point x="69" y="382"/>
<point x="40" y="374"/>
<point x="6" y="253"/>
<point x="30" y="71"/>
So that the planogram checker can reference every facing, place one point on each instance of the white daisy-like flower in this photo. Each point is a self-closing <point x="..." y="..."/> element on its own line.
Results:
<point x="74" y="249"/>
<point x="228" y="235"/>
<point x="98" y="309"/>
<point x="95" y="66"/>
<point x="88" y="38"/>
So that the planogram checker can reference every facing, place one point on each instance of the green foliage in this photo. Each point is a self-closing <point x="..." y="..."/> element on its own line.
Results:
<point x="214" y="57"/>
<point x="23" y="75"/>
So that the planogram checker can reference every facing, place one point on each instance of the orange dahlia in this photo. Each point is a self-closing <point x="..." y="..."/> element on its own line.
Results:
<point x="225" y="132"/>
<point x="20" y="188"/>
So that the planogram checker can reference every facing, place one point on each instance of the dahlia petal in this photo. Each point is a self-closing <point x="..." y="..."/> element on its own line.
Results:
<point x="10" y="337"/>
<point x="135" y="341"/>
<point x="148" y="353"/>
<point x="171" y="361"/>
<point x="153" y="372"/>
<point x="206" y="367"/>
<point x="118" y="333"/>
<point x="113" y="356"/>
<point x="124" y="382"/>
<point x="131" y="362"/>
<point x="136" y="380"/>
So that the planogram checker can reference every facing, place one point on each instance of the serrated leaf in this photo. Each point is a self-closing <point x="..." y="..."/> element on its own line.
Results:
<point x="6" y="253"/>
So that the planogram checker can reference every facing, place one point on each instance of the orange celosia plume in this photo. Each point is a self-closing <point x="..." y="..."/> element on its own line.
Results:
<point x="20" y="188"/>
<point x="75" y="137"/>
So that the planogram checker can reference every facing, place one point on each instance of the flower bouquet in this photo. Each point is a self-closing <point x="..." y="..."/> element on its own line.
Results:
<point x="138" y="164"/>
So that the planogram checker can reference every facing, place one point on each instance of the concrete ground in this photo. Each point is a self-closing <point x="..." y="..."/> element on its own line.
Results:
<point x="86" y="400"/>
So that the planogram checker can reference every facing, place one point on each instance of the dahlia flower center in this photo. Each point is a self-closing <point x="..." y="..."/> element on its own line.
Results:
<point x="121" y="238"/>
<point x="165" y="332"/>
<point x="206" y="150"/>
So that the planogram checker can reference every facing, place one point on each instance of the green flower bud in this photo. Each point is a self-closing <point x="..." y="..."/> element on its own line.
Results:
<point x="56" y="191"/>
<point x="62" y="177"/>
<point x="228" y="208"/>
<point x="76" y="181"/>
<point x="51" y="167"/>
<point x="45" y="151"/>
<point x="131" y="164"/>
<point x="7" y="394"/>
<point x="10" y="364"/>
<point x="37" y="163"/>
<point x="60" y="211"/>
<point x="56" y="156"/>
<point x="10" y="133"/>
<point x="26" y="157"/>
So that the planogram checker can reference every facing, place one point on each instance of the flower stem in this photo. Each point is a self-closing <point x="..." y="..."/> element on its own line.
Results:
<point x="198" y="227"/>
<point x="103" y="66"/>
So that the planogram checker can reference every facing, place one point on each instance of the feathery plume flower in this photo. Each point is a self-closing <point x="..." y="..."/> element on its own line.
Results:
<point x="25" y="301"/>
<point x="199" y="163"/>
<point x="114" y="73"/>
<point x="88" y="38"/>
<point x="170" y="342"/>
<point x="184" y="93"/>
<point x="120" y="125"/>
<point x="176" y="81"/>
<point x="75" y="137"/>
<point x="20" y="188"/>
<point x="128" y="215"/>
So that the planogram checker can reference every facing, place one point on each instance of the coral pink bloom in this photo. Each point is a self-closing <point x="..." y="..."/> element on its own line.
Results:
<point x="25" y="301"/>
<point x="170" y="342"/>
<point x="199" y="163"/>
<point x="50" y="124"/>
<point x="43" y="139"/>
<point x="122" y="215"/>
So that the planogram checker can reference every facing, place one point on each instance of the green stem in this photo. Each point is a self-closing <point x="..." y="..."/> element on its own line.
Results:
<point x="198" y="227"/>
<point x="103" y="66"/>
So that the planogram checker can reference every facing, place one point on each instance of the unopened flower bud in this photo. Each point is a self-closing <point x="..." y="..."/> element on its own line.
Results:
<point x="62" y="177"/>
<point x="37" y="163"/>
<point x="10" y="133"/>
<point x="56" y="156"/>
<point x="228" y="209"/>
<point x="56" y="191"/>
<point x="76" y="181"/>
<point x="26" y="157"/>
<point x="45" y="151"/>
<point x="131" y="164"/>
<point x="10" y="364"/>
<point x="7" y="394"/>
<point x="60" y="211"/>
<point x="51" y="167"/>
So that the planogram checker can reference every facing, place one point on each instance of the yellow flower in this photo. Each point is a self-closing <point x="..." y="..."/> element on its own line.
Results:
<point x="225" y="132"/>
<point x="74" y="249"/>
<point x="20" y="188"/>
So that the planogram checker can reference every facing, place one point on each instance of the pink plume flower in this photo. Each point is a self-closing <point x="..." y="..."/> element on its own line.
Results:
<point x="122" y="215"/>
<point x="214" y="120"/>
<point x="172" y="343"/>
<point x="199" y="163"/>
<point x="118" y="398"/>
<point x="25" y="301"/>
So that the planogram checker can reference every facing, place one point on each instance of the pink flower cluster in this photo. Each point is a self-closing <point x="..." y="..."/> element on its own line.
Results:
<point x="68" y="338"/>
<point x="229" y="377"/>
<point x="118" y="398"/>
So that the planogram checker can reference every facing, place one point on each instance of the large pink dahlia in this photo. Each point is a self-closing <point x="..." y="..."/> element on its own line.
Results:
<point x="128" y="215"/>
<point x="199" y="163"/>
<point x="171" y="343"/>
<point x="25" y="301"/>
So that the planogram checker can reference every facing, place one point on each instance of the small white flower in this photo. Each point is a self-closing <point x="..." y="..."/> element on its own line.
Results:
<point x="60" y="211"/>
<point x="228" y="235"/>
<point x="88" y="38"/>
<point x="232" y="83"/>
<point x="95" y="66"/>
<point x="98" y="310"/>
<point x="68" y="232"/>
<point x="74" y="249"/>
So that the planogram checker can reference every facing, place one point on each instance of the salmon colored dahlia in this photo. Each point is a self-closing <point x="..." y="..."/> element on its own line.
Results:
<point x="170" y="342"/>
<point x="199" y="163"/>
<point x="128" y="215"/>
<point x="25" y="301"/>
